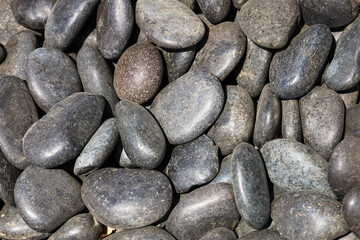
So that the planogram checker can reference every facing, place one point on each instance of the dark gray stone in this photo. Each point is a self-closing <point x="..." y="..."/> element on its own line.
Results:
<point x="308" y="215"/>
<point x="292" y="166"/>
<point x="127" y="198"/>
<point x="294" y="70"/>
<point x="220" y="233"/>
<point x="62" y="133"/>
<point x="47" y="197"/>
<point x="188" y="106"/>
<point x="351" y="210"/>
<point x="202" y="210"/>
<point x="262" y="234"/>
<point x="239" y="3"/>
<point x="236" y="121"/>
<point x="291" y="121"/>
<point x="8" y="176"/>
<point x="215" y="10"/>
<point x="52" y="76"/>
<point x="193" y="163"/>
<point x="352" y="124"/>
<point x="184" y="30"/>
<point x="224" y="174"/>
<point x="115" y="20"/>
<point x="145" y="233"/>
<point x="125" y="161"/>
<point x="322" y="114"/>
<point x="268" y="117"/>
<point x="350" y="96"/>
<point x="17" y="114"/>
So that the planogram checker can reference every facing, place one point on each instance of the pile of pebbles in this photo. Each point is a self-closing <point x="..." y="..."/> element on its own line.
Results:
<point x="179" y="119"/>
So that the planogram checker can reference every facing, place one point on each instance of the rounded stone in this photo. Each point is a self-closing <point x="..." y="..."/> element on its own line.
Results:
<point x="262" y="234"/>
<point x="290" y="120"/>
<point x="8" y="176"/>
<point x="351" y="210"/>
<point x="220" y="233"/>
<point x="352" y="124"/>
<point x="145" y="233"/>
<point x="215" y="10"/>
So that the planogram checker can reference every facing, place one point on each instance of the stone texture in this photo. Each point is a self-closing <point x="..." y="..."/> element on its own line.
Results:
<point x="243" y="228"/>
<point x="262" y="234"/>
<point x="224" y="174"/>
<point x="350" y="236"/>
<point x="192" y="4"/>
<point x="145" y="233"/>
<point x="350" y="96"/>
<point x="220" y="233"/>
<point x="8" y="176"/>
<point x="351" y="210"/>
<point x="215" y="10"/>
<point x="352" y="124"/>
<point x="125" y="162"/>
<point x="290" y="120"/>
<point x="239" y="3"/>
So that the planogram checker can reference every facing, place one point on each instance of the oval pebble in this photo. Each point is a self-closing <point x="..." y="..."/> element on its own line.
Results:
<point x="351" y="210"/>
<point x="290" y="120"/>
<point x="220" y="233"/>
<point x="216" y="10"/>
<point x="145" y="233"/>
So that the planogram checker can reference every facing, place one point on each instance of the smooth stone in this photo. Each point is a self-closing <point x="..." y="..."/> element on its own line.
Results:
<point x="184" y="30"/>
<point x="138" y="73"/>
<point x="239" y="3"/>
<point x="32" y="14"/>
<point x="236" y="121"/>
<point x="51" y="76"/>
<point x="47" y="197"/>
<point x="202" y="210"/>
<point x="294" y="70"/>
<point x="262" y="234"/>
<point x="269" y="23"/>
<point x="95" y="74"/>
<point x="222" y="51"/>
<point x="350" y="96"/>
<point x="18" y="48"/>
<point x="333" y="13"/>
<point x="215" y="10"/>
<point x="145" y="233"/>
<point x="17" y="114"/>
<point x="91" y="39"/>
<point x="141" y="135"/>
<point x="125" y="162"/>
<point x="192" y="4"/>
<point x="350" y="236"/>
<point x="188" y="106"/>
<point x="220" y="233"/>
<point x="268" y="117"/>
<point x="290" y="120"/>
<point x="13" y="227"/>
<point x="98" y="149"/>
<point x="127" y="198"/>
<point x="352" y="124"/>
<point x="193" y="163"/>
<point x="308" y="215"/>
<point x="66" y="20"/>
<point x="114" y="24"/>
<point x="344" y="72"/>
<point x="208" y="25"/>
<point x="224" y="174"/>
<point x="249" y="181"/>
<point x="254" y="71"/>
<point x="243" y="228"/>
<point x="292" y="166"/>
<point x="322" y="114"/>
<point x="79" y="227"/>
<point x="344" y="166"/>
<point x="351" y="210"/>
<point x="2" y="53"/>
<point x="8" y="176"/>
<point x="63" y="132"/>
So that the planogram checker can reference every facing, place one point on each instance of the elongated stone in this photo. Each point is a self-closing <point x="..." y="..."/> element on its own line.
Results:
<point x="145" y="233"/>
<point x="224" y="174"/>
<point x="18" y="113"/>
<point x="188" y="106"/>
<point x="308" y="215"/>
<point x="351" y="210"/>
<point x="352" y="124"/>
<point x="294" y="71"/>
<point x="350" y="96"/>
<point x="127" y="198"/>
<point x="216" y="11"/>
<point x="262" y="234"/>
<point x="220" y="233"/>
<point x="8" y="176"/>
<point x="291" y="121"/>
<point x="62" y="133"/>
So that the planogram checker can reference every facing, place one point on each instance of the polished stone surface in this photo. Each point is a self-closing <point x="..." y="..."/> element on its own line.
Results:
<point x="219" y="233"/>
<point x="216" y="10"/>
<point x="290" y="120"/>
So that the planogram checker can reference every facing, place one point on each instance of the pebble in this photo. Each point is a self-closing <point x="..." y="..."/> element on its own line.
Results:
<point x="351" y="210"/>
<point x="127" y="198"/>
<point x="262" y="234"/>
<point x="269" y="23"/>
<point x="219" y="233"/>
<point x="62" y="133"/>
<point x="51" y="76"/>
<point x="138" y="73"/>
<point x="8" y="176"/>
<point x="185" y="108"/>
<point x="239" y="3"/>
<point x="125" y="161"/>
<point x="224" y="174"/>
<point x="202" y="210"/>
<point x="145" y="233"/>
<point x="216" y="10"/>
<point x="350" y="96"/>
<point x="17" y="114"/>
<point x="184" y="30"/>
<point x="308" y="215"/>
<point x="352" y="124"/>
<point x="291" y="121"/>
<point x="193" y="163"/>
<point x="47" y="197"/>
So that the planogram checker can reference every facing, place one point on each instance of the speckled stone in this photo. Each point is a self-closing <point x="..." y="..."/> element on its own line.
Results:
<point x="127" y="198"/>
<point x="322" y="114"/>
<point x="344" y="70"/>
<point x="269" y="23"/>
<point x="351" y="210"/>
<point x="13" y="227"/>
<point x="220" y="233"/>
<point x="18" y="48"/>
<point x="79" y="227"/>
<point x="254" y="72"/>
<point x="290" y="120"/>
<point x="47" y="197"/>
<point x="292" y="166"/>
<point x="62" y="133"/>
<point x="215" y="10"/>
<point x="8" y="176"/>
<point x="17" y="114"/>
<point x="262" y="234"/>
<point x="125" y="162"/>
<point x="52" y="76"/>
<point x="239" y="3"/>
<point x="224" y="174"/>
<point x="184" y="30"/>
<point x="249" y="181"/>
<point x="65" y="21"/>
<point x="138" y="73"/>
<point x="350" y="96"/>
<point x="193" y="163"/>
<point x="95" y="74"/>
<point x="202" y="210"/>
<point x="226" y="45"/>
<point x="115" y="20"/>
<point x="268" y="117"/>
<point x="236" y="121"/>
<point x="308" y="215"/>
<point x="352" y="124"/>
<point x="32" y="14"/>
<point x="333" y="13"/>
<point x="145" y="233"/>
<point x="294" y="70"/>
<point x="185" y="108"/>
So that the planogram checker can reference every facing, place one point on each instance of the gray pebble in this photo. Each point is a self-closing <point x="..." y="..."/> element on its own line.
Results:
<point x="291" y="121"/>
<point x="125" y="161"/>
<point x="352" y="124"/>
<point x="220" y="233"/>
<point x="215" y="10"/>
<point x="350" y="96"/>
<point x="224" y="174"/>
<point x="351" y="210"/>
<point x="8" y="176"/>
<point x="262" y="234"/>
<point x="145" y="233"/>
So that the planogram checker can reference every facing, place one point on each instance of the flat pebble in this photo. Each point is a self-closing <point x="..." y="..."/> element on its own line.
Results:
<point x="224" y="174"/>
<point x="145" y="233"/>
<point x="290" y="120"/>
<point x="220" y="233"/>
<point x="352" y="124"/>
<point x="215" y="10"/>
<point x="351" y="210"/>
<point x="262" y="234"/>
<point x="8" y="176"/>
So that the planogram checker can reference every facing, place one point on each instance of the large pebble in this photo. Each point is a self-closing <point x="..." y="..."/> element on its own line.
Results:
<point x="224" y="174"/>
<point x="220" y="233"/>
<point x="351" y="210"/>
<point x="188" y="106"/>
<point x="262" y="234"/>
<point x="290" y="120"/>
<point x="127" y="198"/>
<point x="145" y="233"/>
<point x="8" y="176"/>
<point x="352" y="124"/>
<point x="215" y="10"/>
